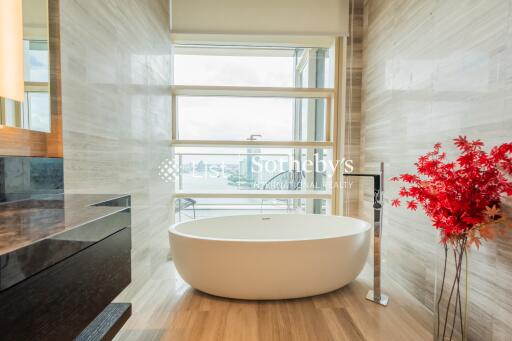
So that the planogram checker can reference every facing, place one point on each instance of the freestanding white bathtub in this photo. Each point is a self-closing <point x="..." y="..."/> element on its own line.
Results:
<point x="277" y="256"/>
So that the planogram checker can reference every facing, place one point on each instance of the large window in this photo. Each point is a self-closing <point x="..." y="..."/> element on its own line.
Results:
<point x="252" y="129"/>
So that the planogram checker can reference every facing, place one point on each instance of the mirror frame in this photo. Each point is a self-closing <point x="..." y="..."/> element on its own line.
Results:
<point x="24" y="142"/>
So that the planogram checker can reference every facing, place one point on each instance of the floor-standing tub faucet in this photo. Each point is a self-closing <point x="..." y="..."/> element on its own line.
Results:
<point x="376" y="295"/>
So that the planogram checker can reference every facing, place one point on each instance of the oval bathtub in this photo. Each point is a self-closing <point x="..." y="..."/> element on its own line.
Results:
<point x="273" y="256"/>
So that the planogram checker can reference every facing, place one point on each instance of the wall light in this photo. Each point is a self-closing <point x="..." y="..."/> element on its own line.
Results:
<point x="11" y="50"/>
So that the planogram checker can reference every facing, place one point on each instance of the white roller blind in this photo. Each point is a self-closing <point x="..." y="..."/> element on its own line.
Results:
<point x="260" y="17"/>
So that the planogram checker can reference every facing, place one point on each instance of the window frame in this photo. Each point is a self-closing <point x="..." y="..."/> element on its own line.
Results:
<point x="334" y="112"/>
<point x="267" y="92"/>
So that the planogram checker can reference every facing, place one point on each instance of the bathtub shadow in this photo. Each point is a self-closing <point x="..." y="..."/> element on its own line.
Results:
<point x="192" y="292"/>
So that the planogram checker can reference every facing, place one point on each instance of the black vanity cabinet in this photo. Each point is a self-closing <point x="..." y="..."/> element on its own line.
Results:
<point x="63" y="260"/>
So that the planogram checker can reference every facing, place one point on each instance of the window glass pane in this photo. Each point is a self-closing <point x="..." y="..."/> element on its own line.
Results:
<point x="36" y="110"/>
<point x="36" y="60"/>
<point x="243" y="118"/>
<point x="10" y="112"/>
<point x="304" y="81"/>
<point x="235" y="66"/>
<point x="216" y="169"/>
<point x="323" y="68"/>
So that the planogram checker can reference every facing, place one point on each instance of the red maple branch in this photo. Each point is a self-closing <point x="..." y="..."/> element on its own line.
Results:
<point x="463" y="197"/>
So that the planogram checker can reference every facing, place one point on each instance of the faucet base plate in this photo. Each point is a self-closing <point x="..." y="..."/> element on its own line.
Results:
<point x="382" y="300"/>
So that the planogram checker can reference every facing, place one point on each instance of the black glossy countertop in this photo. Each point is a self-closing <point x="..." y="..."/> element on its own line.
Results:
<point x="28" y="221"/>
<point x="41" y="230"/>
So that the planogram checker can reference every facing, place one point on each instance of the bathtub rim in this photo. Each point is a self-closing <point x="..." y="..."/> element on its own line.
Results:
<point x="172" y="230"/>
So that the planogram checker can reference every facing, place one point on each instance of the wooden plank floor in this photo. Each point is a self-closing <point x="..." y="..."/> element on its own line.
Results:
<point x="166" y="308"/>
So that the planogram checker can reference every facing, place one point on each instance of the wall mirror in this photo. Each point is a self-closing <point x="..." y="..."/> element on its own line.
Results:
<point x="33" y="127"/>
<point x="34" y="112"/>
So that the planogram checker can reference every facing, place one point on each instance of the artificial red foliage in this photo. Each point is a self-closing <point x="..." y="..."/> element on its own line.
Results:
<point x="462" y="198"/>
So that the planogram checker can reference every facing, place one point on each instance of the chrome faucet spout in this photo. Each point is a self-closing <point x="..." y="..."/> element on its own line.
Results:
<point x="375" y="295"/>
<point x="377" y="187"/>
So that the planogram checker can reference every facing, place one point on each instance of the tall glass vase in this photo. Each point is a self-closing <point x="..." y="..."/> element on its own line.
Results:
<point x="451" y="293"/>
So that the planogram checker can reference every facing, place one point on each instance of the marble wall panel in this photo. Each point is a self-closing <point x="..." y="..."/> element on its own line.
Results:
<point x="433" y="70"/>
<point x="116" y="76"/>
